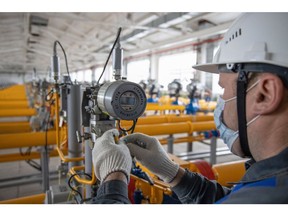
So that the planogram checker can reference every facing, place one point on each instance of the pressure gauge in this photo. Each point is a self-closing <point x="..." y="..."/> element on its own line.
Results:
<point x="122" y="100"/>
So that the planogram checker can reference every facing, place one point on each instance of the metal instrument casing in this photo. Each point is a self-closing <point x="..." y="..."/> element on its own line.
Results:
<point x="122" y="100"/>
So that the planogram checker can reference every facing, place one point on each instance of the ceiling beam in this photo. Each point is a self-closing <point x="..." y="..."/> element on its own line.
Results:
<point x="184" y="39"/>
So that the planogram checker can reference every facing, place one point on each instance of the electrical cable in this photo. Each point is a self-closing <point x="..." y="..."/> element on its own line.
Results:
<point x="69" y="184"/>
<point x="110" y="53"/>
<point x="132" y="128"/>
<point x="73" y="189"/>
<point x="32" y="163"/>
<point x="66" y="62"/>
<point x="48" y="94"/>
<point x="134" y="125"/>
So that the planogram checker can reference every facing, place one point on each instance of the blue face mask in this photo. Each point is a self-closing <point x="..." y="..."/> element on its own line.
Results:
<point x="228" y="135"/>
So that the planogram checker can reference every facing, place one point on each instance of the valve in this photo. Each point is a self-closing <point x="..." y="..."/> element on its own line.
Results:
<point x="137" y="171"/>
<point x="210" y="134"/>
<point x="138" y="196"/>
<point x="86" y="136"/>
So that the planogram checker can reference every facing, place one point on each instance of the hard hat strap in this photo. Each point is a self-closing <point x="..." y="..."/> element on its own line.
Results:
<point x="242" y="83"/>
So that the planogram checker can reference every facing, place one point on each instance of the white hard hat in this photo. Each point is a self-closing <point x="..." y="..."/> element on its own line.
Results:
<point x="253" y="38"/>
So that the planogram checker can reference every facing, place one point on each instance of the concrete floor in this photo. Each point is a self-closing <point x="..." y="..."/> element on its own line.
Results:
<point x="21" y="168"/>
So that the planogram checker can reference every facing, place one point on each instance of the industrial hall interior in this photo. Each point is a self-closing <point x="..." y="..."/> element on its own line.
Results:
<point x="74" y="86"/>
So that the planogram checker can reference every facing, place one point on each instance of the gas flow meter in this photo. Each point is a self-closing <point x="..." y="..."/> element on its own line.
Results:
<point x="122" y="100"/>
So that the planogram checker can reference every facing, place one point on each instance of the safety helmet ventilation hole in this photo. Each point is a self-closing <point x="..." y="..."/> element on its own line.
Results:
<point x="234" y="36"/>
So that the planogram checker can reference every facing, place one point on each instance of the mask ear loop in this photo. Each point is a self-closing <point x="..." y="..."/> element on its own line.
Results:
<point x="252" y="86"/>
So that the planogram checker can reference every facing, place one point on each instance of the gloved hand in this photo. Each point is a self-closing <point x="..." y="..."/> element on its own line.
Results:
<point x="109" y="157"/>
<point x="149" y="152"/>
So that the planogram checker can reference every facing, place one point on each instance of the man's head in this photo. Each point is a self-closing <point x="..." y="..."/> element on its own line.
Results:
<point x="254" y="50"/>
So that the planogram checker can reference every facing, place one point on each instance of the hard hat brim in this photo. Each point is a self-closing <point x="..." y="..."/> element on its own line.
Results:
<point x="214" y="68"/>
<point x="210" y="67"/>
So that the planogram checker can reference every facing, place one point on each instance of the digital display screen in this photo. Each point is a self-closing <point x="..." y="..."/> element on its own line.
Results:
<point x="127" y="101"/>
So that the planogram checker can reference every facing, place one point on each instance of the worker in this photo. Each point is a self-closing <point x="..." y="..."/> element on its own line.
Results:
<point x="251" y="116"/>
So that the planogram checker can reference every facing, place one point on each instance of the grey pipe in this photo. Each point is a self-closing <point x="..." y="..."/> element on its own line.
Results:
<point x="74" y="119"/>
<point x="45" y="168"/>
<point x="88" y="161"/>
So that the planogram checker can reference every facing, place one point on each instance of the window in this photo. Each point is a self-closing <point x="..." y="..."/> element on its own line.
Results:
<point x="107" y="76"/>
<point x="138" y="70"/>
<point x="176" y="66"/>
<point x="73" y="76"/>
<point x="216" y="89"/>
<point x="88" y="76"/>
<point x="97" y="72"/>
<point x="80" y="76"/>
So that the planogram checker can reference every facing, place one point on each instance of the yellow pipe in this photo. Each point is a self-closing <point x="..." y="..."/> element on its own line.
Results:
<point x="32" y="155"/>
<point x="26" y="139"/>
<point x="183" y="139"/>
<point x="229" y="172"/>
<point x="14" y="104"/>
<point x="15" y="92"/>
<point x="14" y="127"/>
<point x="157" y="184"/>
<point x="151" y="106"/>
<point x="65" y="159"/>
<point x="12" y="97"/>
<point x="17" y="112"/>
<point x="160" y="119"/>
<point x="34" y="199"/>
<point x="81" y="180"/>
<point x="174" y="128"/>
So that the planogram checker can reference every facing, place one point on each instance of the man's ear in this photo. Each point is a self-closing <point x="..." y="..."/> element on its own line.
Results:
<point x="268" y="95"/>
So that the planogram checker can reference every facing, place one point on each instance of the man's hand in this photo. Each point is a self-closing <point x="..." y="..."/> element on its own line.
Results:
<point x="109" y="157"/>
<point x="149" y="152"/>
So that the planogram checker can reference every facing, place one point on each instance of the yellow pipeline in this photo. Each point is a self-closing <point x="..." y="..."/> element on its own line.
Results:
<point x="15" y="92"/>
<point x="34" y="199"/>
<point x="81" y="180"/>
<point x="174" y="128"/>
<point x="173" y="118"/>
<point x="26" y="139"/>
<point x="182" y="139"/>
<point x="17" y="112"/>
<point x="14" y="104"/>
<point x="207" y="106"/>
<point x="229" y="172"/>
<point x="152" y="106"/>
<point x="224" y="173"/>
<point x="32" y="155"/>
<point x="14" y="127"/>
<point x="62" y="156"/>
<point x="154" y="192"/>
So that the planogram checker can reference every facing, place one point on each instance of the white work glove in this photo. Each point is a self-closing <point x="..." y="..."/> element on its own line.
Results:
<point x="150" y="153"/>
<point x="109" y="157"/>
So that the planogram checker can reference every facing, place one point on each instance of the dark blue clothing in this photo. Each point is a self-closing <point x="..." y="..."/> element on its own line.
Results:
<point x="265" y="181"/>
